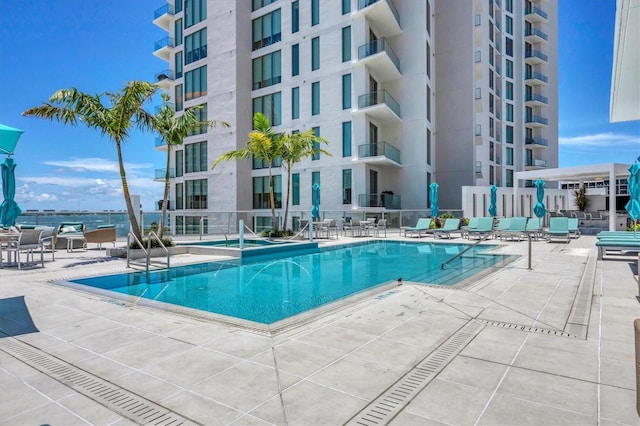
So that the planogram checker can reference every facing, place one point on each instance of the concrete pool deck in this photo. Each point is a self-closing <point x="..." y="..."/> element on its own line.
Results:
<point x="551" y="345"/>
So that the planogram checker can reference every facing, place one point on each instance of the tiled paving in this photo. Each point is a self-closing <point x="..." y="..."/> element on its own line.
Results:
<point x="527" y="365"/>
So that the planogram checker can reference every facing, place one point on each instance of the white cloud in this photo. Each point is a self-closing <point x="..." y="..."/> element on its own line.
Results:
<point x="97" y="165"/>
<point x="602" y="140"/>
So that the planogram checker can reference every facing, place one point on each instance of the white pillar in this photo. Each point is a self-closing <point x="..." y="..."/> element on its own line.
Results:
<point x="612" y="199"/>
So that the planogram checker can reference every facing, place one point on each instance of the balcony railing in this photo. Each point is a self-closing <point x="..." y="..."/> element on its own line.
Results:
<point x="388" y="201"/>
<point x="164" y="42"/>
<point x="377" y="46"/>
<point x="537" y="119"/>
<point x="531" y="97"/>
<point x="164" y="75"/>
<point x="366" y="3"/>
<point x="534" y="162"/>
<point x="160" y="143"/>
<point x="161" y="174"/>
<point x="167" y="9"/>
<point x="537" y="76"/>
<point x="536" y="11"/>
<point x="379" y="148"/>
<point x="379" y="97"/>
<point x="536" y="141"/>
<point x="536" y="32"/>
<point x="536" y="54"/>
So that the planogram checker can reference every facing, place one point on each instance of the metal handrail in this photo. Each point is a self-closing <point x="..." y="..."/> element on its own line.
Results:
<point x="484" y="237"/>
<point x="147" y="251"/>
<point x="129" y="235"/>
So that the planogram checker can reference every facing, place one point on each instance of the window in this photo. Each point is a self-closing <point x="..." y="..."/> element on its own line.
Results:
<point x="315" y="178"/>
<point x="508" y="24"/>
<point x="261" y="164"/>
<point x="295" y="60"/>
<point x="508" y="68"/>
<point x="261" y="192"/>
<point x="200" y="112"/>
<point x="508" y="135"/>
<point x="195" y="157"/>
<point x="491" y="175"/>
<point x="428" y="17"/>
<point x="492" y="149"/>
<point x="315" y="12"/>
<point x="194" y="11"/>
<point x="508" y="46"/>
<point x="509" y="90"/>
<point x="196" y="196"/>
<point x="178" y="64"/>
<point x="178" y="6"/>
<point x="491" y="79"/>
<point x="195" y="82"/>
<point x="346" y="186"/>
<point x="428" y="60"/>
<point x="177" y="31"/>
<point x="478" y="93"/>
<point x="478" y="130"/>
<point x="295" y="16"/>
<point x="509" y="157"/>
<point x="267" y="70"/>
<point x="270" y="106"/>
<point x="266" y="30"/>
<point x="295" y="189"/>
<point x="196" y="46"/>
<point x="509" y="178"/>
<point x="346" y="44"/>
<point x="508" y="4"/>
<point x="346" y="91"/>
<point x="491" y="55"/>
<point x="346" y="139"/>
<point x="257" y="4"/>
<point x="179" y="98"/>
<point x="315" y="53"/>
<point x="316" y="145"/>
<point x="315" y="98"/>
<point x="179" y="162"/>
<point x="179" y="196"/>
<point x="295" y="103"/>
<point x="478" y="20"/>
<point x="509" y="112"/>
<point x="428" y="146"/>
<point x="478" y="56"/>
<point x="346" y="6"/>
<point x="491" y="127"/>
<point x="428" y="104"/>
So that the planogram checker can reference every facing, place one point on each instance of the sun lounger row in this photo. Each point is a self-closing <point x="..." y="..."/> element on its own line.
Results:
<point x="618" y="241"/>
<point x="424" y="226"/>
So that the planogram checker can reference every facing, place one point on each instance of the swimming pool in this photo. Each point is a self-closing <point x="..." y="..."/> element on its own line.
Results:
<point x="268" y="289"/>
<point x="235" y="243"/>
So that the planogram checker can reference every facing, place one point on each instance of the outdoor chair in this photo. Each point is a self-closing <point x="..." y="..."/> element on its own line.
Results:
<point x="534" y="227"/>
<point x="103" y="234"/>
<point x="423" y="224"/>
<point x="28" y="241"/>
<point x="450" y="225"/>
<point x="516" y="230"/>
<point x="75" y="230"/>
<point x="381" y="226"/>
<point x="558" y="228"/>
<point x="484" y="228"/>
<point x="574" y="229"/>
<point x="473" y="224"/>
<point x="503" y="225"/>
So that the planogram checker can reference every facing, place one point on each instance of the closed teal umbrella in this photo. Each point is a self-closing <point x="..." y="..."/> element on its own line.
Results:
<point x="633" y="206"/>
<point x="433" y="196"/>
<point x="9" y="210"/>
<point x="539" y="209"/>
<point x="315" y="201"/>
<point x="493" y="207"/>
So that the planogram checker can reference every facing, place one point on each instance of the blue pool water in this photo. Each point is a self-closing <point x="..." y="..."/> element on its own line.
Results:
<point x="266" y="290"/>
<point x="235" y="243"/>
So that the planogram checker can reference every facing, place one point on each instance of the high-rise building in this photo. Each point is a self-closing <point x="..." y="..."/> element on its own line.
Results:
<point x="407" y="93"/>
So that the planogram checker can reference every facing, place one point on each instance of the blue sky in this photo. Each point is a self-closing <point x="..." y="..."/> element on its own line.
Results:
<point x="98" y="45"/>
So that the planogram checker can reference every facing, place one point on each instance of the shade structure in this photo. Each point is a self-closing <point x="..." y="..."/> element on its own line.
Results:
<point x="315" y="200"/>
<point x="539" y="208"/>
<point x="633" y="206"/>
<point x="9" y="210"/>
<point x="8" y="139"/>
<point x="433" y="196"/>
<point x="493" y="207"/>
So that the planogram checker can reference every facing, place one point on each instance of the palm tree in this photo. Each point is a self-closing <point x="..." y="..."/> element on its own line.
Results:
<point x="295" y="148"/>
<point x="116" y="118"/>
<point x="265" y="145"/>
<point x="173" y="129"/>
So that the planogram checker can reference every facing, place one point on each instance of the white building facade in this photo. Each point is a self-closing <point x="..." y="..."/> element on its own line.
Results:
<point x="406" y="92"/>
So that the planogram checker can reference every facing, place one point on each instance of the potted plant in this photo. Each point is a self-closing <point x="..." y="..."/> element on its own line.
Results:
<point x="580" y="198"/>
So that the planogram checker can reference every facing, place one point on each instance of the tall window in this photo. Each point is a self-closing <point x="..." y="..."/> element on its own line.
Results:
<point x="509" y="157"/>
<point x="346" y="139"/>
<point x="346" y="91"/>
<point x="257" y="4"/>
<point x="508" y="24"/>
<point x="295" y="189"/>
<point x="315" y="98"/>
<point x="177" y="31"/>
<point x="509" y="112"/>
<point x="315" y="178"/>
<point x="179" y="97"/>
<point x="509" y="90"/>
<point x="179" y="196"/>
<point x="346" y="6"/>
<point x="428" y="17"/>
<point x="195" y="157"/>
<point x="295" y="103"/>
<point x="178" y="64"/>
<point x="508" y="4"/>
<point x="195" y="82"/>
<point x="196" y="46"/>
<point x="179" y="162"/>
<point x="295" y="59"/>
<point x="178" y="6"/>
<point x="295" y="16"/>
<point x="315" y="53"/>
<point x="508" y="135"/>
<point x="200" y="112"/>
<point x="316" y="145"/>
<point x="271" y="106"/>
<point x="428" y="146"/>
<point x="346" y="186"/>
<point x="428" y="103"/>
<point x="261" y="192"/>
<point x="196" y="196"/>
<point x="194" y="11"/>
<point x="346" y="44"/>
<point x="508" y="46"/>
<point x="262" y="164"/>
<point x="267" y="30"/>
<point x="508" y="65"/>
<point x="315" y="12"/>
<point x="267" y="70"/>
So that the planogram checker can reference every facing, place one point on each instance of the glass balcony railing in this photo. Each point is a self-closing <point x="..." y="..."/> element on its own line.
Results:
<point x="536" y="54"/>
<point x="537" y="76"/>
<point x="164" y="42"/>
<point x="536" y="141"/>
<point x="377" y="46"/>
<point x="388" y="201"/>
<point x="160" y="142"/>
<point x="164" y="75"/>
<point x="379" y="97"/>
<point x="379" y="148"/>
<point x="536" y="97"/>
<point x="534" y="162"/>
<point x="167" y="9"/>
<point x="536" y="32"/>
<point x="162" y="173"/>
<point x="366" y="3"/>
<point x="537" y="119"/>
<point x="536" y="11"/>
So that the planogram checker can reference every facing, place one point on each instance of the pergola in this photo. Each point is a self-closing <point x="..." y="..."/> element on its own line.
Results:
<point x="610" y="171"/>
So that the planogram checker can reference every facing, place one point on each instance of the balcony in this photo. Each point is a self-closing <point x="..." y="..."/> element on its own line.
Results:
<point x="535" y="57"/>
<point x="536" y="121"/>
<point x="387" y="201"/>
<point x="535" y="164"/>
<point x="536" y="142"/>
<point x="380" y="153"/>
<point x="536" y="78"/>
<point x="161" y="174"/>
<point x="534" y="35"/>
<point x="378" y="56"/>
<point x="535" y="14"/>
<point x="535" y="99"/>
<point x="382" y="16"/>
<point x="165" y="79"/>
<point x="380" y="105"/>
<point x="161" y="144"/>
<point x="163" y="16"/>
<point x="163" y="48"/>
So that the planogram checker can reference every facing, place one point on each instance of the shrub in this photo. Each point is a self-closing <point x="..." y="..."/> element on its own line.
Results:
<point x="168" y="242"/>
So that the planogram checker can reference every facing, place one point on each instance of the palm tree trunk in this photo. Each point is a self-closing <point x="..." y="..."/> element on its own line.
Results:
<point x="286" y="206"/>
<point x="165" y="195"/>
<point x="135" y="227"/>
<point x="272" y="202"/>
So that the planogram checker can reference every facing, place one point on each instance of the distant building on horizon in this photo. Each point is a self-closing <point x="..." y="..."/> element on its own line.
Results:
<point x="408" y="93"/>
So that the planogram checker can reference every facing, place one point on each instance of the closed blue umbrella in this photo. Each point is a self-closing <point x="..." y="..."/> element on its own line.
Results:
<point x="539" y="209"/>
<point x="433" y="196"/>
<point x="315" y="201"/>
<point x="633" y="206"/>
<point x="9" y="210"/>
<point x="493" y="207"/>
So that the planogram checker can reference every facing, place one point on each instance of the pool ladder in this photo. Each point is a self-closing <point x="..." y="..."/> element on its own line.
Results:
<point x="151" y="235"/>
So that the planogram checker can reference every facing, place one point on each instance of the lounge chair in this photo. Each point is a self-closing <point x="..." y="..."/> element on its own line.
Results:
<point x="617" y="244"/>
<point x="484" y="228"/>
<point x="103" y="234"/>
<point x="28" y="242"/>
<point x="574" y="230"/>
<point x="450" y="225"/>
<point x="75" y="230"/>
<point x="473" y="224"/>
<point x="534" y="227"/>
<point x="558" y="228"/>
<point x="517" y="229"/>
<point x="503" y="225"/>
<point x="423" y="224"/>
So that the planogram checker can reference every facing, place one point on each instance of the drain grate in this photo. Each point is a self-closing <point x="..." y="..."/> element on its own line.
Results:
<point x="386" y="406"/>
<point x="115" y="398"/>
<point x="578" y="320"/>
<point x="527" y="328"/>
